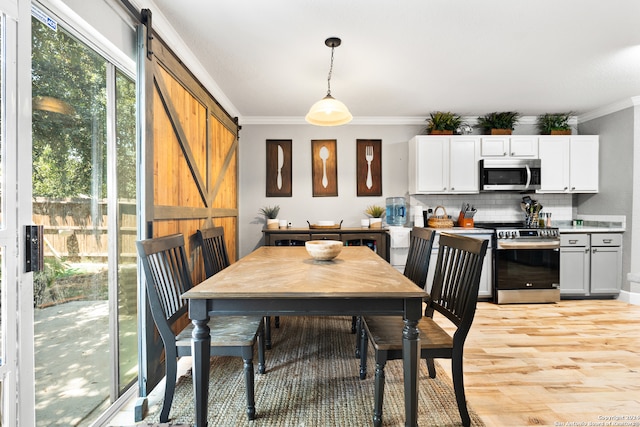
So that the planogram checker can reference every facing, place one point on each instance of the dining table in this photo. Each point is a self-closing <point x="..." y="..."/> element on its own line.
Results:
<point x="287" y="281"/>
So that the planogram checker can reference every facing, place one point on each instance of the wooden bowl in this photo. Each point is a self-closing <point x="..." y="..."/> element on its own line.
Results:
<point x="324" y="250"/>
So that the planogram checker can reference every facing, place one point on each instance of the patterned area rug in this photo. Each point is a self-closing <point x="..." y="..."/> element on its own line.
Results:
<point x="312" y="380"/>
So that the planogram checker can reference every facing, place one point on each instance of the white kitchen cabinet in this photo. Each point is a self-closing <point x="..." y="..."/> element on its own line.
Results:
<point x="443" y="165"/>
<point x="590" y="264"/>
<point x="569" y="164"/>
<point x="509" y="146"/>
<point x="485" y="290"/>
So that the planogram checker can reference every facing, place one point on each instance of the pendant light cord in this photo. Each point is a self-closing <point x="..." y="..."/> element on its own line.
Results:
<point x="330" y="71"/>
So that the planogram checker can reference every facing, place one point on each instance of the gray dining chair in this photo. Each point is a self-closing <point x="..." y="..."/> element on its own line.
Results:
<point x="415" y="268"/>
<point x="167" y="277"/>
<point x="454" y="294"/>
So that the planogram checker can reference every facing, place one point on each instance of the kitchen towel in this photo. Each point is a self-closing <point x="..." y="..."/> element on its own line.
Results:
<point x="399" y="237"/>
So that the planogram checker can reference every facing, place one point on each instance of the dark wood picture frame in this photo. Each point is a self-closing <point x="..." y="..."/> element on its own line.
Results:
<point x="324" y="167"/>
<point x="366" y="186"/>
<point x="279" y="174"/>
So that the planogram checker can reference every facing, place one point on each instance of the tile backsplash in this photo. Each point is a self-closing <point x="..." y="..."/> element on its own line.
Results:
<point x="496" y="206"/>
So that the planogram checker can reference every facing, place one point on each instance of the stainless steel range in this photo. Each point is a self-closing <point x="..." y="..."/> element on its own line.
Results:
<point x="526" y="264"/>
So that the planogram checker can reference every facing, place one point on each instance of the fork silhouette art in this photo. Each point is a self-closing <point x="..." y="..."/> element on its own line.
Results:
<point x="368" y="155"/>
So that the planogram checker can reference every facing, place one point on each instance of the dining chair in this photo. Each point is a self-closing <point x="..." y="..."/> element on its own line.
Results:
<point x="216" y="258"/>
<point x="454" y="294"/>
<point x="167" y="277"/>
<point x="415" y="268"/>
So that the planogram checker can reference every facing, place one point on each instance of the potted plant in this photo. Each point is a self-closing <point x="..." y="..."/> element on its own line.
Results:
<point x="443" y="123"/>
<point x="271" y="214"/>
<point x="499" y="123"/>
<point x="554" y="124"/>
<point x="376" y="213"/>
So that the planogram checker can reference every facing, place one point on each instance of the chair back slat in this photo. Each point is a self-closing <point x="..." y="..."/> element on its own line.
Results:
<point x="167" y="276"/>
<point x="419" y="254"/>
<point x="457" y="278"/>
<point x="214" y="249"/>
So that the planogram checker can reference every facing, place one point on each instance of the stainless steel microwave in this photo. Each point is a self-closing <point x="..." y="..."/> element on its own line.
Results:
<point x="509" y="174"/>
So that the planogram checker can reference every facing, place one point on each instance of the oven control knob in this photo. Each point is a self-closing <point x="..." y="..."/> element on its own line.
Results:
<point x="501" y="234"/>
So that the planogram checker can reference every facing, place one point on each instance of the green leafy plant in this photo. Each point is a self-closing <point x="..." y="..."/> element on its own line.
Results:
<point x="375" y="211"/>
<point x="271" y="212"/>
<point x="443" y="121"/>
<point x="498" y="120"/>
<point x="553" y="122"/>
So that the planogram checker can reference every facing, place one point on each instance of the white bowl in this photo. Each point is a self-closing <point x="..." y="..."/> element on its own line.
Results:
<point x="326" y="223"/>
<point x="324" y="250"/>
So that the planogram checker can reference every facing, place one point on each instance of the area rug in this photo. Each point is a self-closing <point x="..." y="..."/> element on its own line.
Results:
<point x="312" y="380"/>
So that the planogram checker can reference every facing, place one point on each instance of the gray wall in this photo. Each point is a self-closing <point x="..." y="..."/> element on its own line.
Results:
<point x="302" y="206"/>
<point x="616" y="193"/>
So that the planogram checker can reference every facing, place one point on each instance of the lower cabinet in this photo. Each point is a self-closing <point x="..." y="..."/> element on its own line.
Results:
<point x="377" y="240"/>
<point x="590" y="264"/>
<point x="486" y="279"/>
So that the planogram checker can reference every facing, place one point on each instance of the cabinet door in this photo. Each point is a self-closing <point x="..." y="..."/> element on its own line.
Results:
<point x="494" y="146"/>
<point x="523" y="146"/>
<point x="463" y="165"/>
<point x="486" y="279"/>
<point x="574" y="270"/>
<point x="432" y="164"/>
<point x="606" y="270"/>
<point x="583" y="165"/>
<point x="554" y="157"/>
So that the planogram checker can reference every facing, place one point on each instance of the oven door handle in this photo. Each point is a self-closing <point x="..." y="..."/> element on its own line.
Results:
<point x="528" y="245"/>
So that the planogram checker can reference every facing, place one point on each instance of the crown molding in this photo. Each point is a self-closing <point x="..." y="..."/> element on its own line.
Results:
<point x="610" y="109"/>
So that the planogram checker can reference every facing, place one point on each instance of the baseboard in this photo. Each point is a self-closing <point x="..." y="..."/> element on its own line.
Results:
<point x="629" y="297"/>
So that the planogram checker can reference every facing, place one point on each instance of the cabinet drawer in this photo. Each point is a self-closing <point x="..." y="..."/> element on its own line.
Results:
<point x="327" y="236"/>
<point x="606" y="239"/>
<point x="574" y="240"/>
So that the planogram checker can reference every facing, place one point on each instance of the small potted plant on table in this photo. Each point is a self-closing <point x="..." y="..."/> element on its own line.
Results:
<point x="498" y="123"/>
<point x="376" y="213"/>
<point x="271" y="215"/>
<point x="443" y="123"/>
<point x="554" y="124"/>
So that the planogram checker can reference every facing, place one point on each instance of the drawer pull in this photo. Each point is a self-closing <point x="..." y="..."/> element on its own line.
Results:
<point x="607" y="240"/>
<point x="573" y="242"/>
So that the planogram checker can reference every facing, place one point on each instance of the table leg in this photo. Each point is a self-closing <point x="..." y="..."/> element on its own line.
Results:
<point x="410" y="359"/>
<point x="200" y="343"/>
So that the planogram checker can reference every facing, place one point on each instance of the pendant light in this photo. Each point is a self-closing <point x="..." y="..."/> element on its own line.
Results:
<point x="329" y="111"/>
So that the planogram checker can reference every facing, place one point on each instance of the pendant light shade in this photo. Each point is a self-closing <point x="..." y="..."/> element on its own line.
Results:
<point x="329" y="111"/>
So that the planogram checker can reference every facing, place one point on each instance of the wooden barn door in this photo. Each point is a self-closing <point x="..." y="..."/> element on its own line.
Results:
<point x="190" y="167"/>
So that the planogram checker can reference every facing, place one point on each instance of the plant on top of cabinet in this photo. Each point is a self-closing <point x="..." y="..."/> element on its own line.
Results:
<point x="271" y="215"/>
<point x="443" y="123"/>
<point x="498" y="123"/>
<point x="554" y="124"/>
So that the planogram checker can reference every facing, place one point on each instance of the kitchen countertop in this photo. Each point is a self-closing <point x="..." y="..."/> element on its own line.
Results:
<point x="463" y="230"/>
<point x="594" y="224"/>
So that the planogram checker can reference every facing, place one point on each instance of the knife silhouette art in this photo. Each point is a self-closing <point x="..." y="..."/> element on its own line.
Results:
<point x="280" y="164"/>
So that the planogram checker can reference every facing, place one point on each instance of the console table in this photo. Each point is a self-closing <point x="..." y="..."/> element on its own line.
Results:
<point x="375" y="238"/>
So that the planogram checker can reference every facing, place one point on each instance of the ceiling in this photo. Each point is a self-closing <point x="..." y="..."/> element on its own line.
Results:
<point x="267" y="59"/>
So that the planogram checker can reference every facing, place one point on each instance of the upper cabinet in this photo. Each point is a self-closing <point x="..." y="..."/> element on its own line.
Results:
<point x="443" y="164"/>
<point x="569" y="164"/>
<point x="509" y="146"/>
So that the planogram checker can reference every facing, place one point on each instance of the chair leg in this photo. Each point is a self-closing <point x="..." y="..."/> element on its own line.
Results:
<point x="267" y="332"/>
<point x="354" y="320"/>
<point x="431" y="367"/>
<point x="458" y="387"/>
<point x="249" y="385"/>
<point x="364" y="348"/>
<point x="358" y="333"/>
<point x="260" y="339"/>
<point x="379" y="392"/>
<point x="277" y="322"/>
<point x="171" y="370"/>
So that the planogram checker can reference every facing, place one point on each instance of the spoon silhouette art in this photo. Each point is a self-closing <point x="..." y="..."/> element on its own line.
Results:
<point x="324" y="155"/>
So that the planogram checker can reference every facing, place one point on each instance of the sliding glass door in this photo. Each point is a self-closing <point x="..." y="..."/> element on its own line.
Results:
<point x="84" y="194"/>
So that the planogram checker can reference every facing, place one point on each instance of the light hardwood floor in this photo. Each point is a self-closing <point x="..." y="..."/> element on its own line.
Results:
<point x="570" y="363"/>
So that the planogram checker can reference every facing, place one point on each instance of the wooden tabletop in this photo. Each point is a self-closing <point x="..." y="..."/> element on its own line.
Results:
<point x="290" y="272"/>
